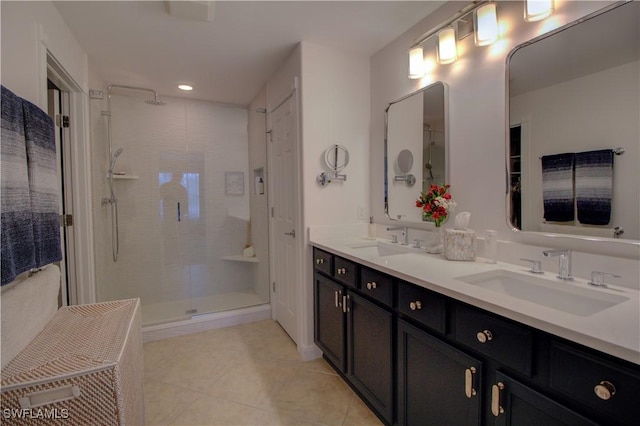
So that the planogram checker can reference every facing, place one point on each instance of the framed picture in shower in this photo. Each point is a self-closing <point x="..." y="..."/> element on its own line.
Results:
<point x="234" y="183"/>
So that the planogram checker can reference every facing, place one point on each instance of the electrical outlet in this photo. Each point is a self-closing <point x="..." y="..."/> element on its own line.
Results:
<point x="362" y="212"/>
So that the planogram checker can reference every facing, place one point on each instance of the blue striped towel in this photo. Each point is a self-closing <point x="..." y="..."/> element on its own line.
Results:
<point x="18" y="250"/>
<point x="557" y="187"/>
<point x="594" y="186"/>
<point x="29" y="188"/>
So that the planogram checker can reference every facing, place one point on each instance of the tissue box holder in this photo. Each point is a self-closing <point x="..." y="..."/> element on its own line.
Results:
<point x="460" y="245"/>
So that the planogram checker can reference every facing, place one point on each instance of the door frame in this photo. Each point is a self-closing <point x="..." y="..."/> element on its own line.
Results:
<point x="299" y="240"/>
<point x="80" y="168"/>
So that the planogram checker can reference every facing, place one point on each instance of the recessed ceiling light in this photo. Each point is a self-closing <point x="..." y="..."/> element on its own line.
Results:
<point x="185" y="87"/>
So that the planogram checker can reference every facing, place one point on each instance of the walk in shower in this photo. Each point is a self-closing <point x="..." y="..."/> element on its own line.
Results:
<point x="174" y="220"/>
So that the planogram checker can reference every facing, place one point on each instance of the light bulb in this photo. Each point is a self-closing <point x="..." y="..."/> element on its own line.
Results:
<point x="486" y="24"/>
<point x="447" y="51"/>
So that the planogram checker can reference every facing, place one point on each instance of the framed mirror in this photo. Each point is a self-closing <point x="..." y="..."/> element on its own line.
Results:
<point x="573" y="140"/>
<point x="416" y="128"/>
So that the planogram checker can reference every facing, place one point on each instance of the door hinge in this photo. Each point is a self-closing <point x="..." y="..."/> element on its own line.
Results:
<point x="272" y="212"/>
<point x="66" y="220"/>
<point x="274" y="286"/>
<point x="62" y="120"/>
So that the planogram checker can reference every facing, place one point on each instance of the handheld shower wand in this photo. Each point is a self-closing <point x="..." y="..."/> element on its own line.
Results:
<point x="113" y="159"/>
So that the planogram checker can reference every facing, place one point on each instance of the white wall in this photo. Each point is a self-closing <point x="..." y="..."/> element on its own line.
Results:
<point x="29" y="29"/>
<point x="335" y="110"/>
<point x="550" y="114"/>
<point x="477" y="124"/>
<point x="333" y="103"/>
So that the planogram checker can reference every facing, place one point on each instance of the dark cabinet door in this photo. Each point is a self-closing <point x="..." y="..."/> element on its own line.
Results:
<point x="437" y="384"/>
<point x="370" y="346"/>
<point x="329" y="321"/>
<point x="513" y="403"/>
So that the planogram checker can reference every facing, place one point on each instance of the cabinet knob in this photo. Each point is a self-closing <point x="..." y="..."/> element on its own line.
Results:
<point x="484" y="336"/>
<point x="372" y="285"/>
<point x="605" y="390"/>
<point x="415" y="306"/>
<point x="496" y="408"/>
<point x="319" y="261"/>
<point x="341" y="271"/>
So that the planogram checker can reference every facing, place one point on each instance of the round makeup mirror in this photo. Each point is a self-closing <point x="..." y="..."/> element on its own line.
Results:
<point x="336" y="157"/>
<point x="405" y="161"/>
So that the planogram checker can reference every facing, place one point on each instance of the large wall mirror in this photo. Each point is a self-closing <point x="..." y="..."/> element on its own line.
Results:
<point x="415" y="149"/>
<point x="574" y="137"/>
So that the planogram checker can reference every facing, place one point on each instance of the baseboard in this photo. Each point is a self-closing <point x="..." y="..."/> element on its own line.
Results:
<point x="206" y="322"/>
<point x="309" y="353"/>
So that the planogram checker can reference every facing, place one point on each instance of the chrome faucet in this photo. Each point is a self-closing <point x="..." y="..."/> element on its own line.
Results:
<point x="404" y="233"/>
<point x="564" y="262"/>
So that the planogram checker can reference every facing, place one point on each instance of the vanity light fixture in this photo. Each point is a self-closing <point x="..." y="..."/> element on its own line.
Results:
<point x="536" y="10"/>
<point x="484" y="25"/>
<point x="416" y="62"/>
<point x="447" y="49"/>
<point x="185" y="87"/>
<point x="485" y="21"/>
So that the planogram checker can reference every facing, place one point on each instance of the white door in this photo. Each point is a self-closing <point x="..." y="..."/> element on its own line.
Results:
<point x="284" y="214"/>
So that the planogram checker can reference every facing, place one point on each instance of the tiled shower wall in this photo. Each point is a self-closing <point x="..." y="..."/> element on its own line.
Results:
<point x="180" y="152"/>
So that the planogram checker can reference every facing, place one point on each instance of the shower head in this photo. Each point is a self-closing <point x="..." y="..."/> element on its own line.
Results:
<point x="155" y="101"/>
<point x="114" y="157"/>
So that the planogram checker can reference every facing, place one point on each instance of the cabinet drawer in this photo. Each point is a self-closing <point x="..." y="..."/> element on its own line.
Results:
<point x="508" y="343"/>
<point x="322" y="261"/>
<point x="377" y="285"/>
<point x="422" y="305"/>
<point x="345" y="271"/>
<point x="579" y="375"/>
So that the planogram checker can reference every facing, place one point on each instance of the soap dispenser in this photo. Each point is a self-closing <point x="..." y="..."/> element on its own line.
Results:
<point x="372" y="229"/>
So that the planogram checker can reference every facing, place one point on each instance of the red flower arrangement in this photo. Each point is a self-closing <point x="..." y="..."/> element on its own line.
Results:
<point x="436" y="204"/>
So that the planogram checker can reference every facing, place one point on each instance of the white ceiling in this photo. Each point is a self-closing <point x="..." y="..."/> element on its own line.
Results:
<point x="230" y="59"/>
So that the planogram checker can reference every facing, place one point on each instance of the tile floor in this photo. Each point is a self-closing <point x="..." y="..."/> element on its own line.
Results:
<point x="244" y="375"/>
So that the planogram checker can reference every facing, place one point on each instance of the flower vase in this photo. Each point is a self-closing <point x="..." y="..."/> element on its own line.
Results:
<point x="437" y="246"/>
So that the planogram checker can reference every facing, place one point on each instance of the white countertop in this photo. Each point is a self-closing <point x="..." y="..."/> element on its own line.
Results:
<point x="615" y="330"/>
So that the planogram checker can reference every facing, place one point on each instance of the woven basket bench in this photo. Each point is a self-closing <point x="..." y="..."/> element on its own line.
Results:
<point x="84" y="368"/>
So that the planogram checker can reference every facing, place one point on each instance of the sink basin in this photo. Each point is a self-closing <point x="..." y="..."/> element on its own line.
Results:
<point x="381" y="249"/>
<point x="564" y="297"/>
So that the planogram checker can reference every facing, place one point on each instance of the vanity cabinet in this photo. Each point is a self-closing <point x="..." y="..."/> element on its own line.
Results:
<point x="515" y="404"/>
<point x="355" y="331"/>
<point x="437" y="383"/>
<point x="417" y="357"/>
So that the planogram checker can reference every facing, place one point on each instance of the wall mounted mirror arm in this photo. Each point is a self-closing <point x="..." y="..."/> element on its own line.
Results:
<point x="404" y="164"/>
<point x="335" y="159"/>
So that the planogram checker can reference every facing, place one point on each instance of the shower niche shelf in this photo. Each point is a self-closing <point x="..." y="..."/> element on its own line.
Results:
<point x="125" y="177"/>
<point x="241" y="258"/>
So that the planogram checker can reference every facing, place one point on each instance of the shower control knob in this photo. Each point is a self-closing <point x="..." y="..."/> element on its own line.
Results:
<point x="484" y="336"/>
